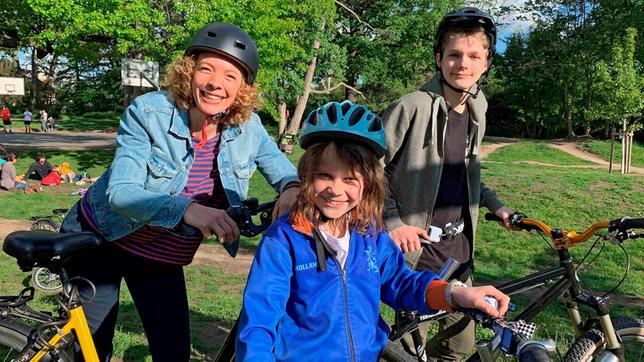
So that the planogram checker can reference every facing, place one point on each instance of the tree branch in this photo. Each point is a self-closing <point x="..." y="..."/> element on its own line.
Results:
<point x="329" y="90"/>
<point x="354" y="14"/>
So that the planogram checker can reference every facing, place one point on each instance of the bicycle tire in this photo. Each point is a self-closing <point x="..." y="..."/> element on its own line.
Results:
<point x="45" y="224"/>
<point x="592" y="343"/>
<point x="395" y="352"/>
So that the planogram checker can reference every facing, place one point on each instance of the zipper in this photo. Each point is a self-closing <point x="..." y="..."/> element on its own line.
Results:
<point x="346" y="309"/>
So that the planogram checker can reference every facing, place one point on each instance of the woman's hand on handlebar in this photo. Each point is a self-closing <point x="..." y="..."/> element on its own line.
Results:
<point x="474" y="298"/>
<point x="286" y="200"/>
<point x="211" y="221"/>
<point x="407" y="237"/>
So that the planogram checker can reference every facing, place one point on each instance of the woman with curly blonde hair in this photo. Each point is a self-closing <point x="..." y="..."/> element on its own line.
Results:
<point x="183" y="156"/>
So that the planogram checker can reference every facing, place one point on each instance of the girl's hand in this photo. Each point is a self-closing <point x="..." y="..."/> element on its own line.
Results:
<point x="211" y="221"/>
<point x="474" y="298"/>
<point x="286" y="200"/>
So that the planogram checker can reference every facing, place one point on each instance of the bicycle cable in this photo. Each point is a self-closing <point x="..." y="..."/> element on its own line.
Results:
<point x="581" y="263"/>
<point x="626" y="270"/>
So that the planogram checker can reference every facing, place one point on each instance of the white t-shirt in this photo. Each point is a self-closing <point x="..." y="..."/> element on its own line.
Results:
<point x="339" y="245"/>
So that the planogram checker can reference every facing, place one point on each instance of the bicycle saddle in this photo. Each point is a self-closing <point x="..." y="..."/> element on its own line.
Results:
<point x="38" y="248"/>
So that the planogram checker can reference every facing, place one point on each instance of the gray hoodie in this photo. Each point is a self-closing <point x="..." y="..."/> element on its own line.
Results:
<point x="415" y="128"/>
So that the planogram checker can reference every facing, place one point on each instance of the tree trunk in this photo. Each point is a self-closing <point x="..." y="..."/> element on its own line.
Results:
<point x="281" y="124"/>
<point x="34" y="77"/>
<point x="567" y="112"/>
<point x="294" y="126"/>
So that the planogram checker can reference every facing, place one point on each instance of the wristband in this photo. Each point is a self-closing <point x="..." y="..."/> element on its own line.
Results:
<point x="448" y="292"/>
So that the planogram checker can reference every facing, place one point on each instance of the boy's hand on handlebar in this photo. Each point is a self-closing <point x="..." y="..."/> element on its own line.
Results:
<point x="211" y="221"/>
<point x="474" y="298"/>
<point x="286" y="200"/>
<point x="504" y="213"/>
<point x="407" y="237"/>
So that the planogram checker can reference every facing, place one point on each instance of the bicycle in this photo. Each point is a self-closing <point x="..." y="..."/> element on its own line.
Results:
<point x="42" y="278"/>
<point x="50" y="222"/>
<point x="30" y="335"/>
<point x="600" y="338"/>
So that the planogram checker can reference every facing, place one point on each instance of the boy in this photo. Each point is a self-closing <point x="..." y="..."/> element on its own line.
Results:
<point x="433" y="166"/>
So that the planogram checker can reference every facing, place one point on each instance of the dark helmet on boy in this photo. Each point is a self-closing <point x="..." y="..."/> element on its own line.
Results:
<point x="230" y="41"/>
<point x="344" y="121"/>
<point x="466" y="17"/>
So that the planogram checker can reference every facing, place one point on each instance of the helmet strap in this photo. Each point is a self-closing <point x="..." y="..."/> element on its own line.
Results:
<point x="459" y="90"/>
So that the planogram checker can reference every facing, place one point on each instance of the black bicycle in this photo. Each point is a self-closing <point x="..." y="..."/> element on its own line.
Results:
<point x="601" y="337"/>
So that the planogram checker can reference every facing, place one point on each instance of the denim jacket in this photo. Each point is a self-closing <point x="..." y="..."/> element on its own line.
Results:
<point x="154" y="154"/>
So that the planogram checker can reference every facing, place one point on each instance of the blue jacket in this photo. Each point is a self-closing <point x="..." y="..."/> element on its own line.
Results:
<point x="294" y="312"/>
<point x="154" y="154"/>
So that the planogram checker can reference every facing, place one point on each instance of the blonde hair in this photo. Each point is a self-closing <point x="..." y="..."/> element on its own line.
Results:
<point x="178" y="81"/>
<point x="457" y="33"/>
<point x="368" y="213"/>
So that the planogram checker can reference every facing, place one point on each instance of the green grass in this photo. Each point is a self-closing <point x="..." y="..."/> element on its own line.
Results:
<point x="99" y="122"/>
<point x="567" y="198"/>
<point x="535" y="152"/>
<point x="602" y="149"/>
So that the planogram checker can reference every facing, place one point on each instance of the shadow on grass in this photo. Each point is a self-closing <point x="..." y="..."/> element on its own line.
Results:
<point x="207" y="333"/>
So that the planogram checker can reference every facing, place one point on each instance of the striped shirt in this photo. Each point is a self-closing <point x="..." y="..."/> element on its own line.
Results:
<point x="164" y="245"/>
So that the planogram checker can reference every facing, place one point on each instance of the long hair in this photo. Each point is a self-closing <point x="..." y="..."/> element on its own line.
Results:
<point x="368" y="213"/>
<point x="178" y="81"/>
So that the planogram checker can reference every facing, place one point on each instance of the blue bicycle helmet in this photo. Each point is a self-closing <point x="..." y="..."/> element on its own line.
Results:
<point x="346" y="121"/>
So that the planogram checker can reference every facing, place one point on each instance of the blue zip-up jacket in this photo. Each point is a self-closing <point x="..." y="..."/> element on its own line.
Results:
<point x="295" y="312"/>
<point x="154" y="155"/>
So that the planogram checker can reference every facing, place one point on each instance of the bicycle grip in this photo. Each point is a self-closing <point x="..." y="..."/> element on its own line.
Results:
<point x="627" y="224"/>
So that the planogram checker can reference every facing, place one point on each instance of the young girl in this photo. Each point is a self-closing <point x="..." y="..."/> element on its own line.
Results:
<point x="320" y="272"/>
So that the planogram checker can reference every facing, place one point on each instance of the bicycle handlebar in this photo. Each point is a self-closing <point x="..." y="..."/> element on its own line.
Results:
<point x="621" y="229"/>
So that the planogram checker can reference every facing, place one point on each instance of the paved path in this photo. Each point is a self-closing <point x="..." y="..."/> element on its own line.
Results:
<point x="58" y="140"/>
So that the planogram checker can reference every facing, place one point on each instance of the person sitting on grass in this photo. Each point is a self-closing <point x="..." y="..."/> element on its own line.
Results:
<point x="320" y="272"/>
<point x="40" y="168"/>
<point x="8" y="177"/>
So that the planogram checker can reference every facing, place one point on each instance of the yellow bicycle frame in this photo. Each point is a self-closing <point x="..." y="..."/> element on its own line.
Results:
<point x="77" y="323"/>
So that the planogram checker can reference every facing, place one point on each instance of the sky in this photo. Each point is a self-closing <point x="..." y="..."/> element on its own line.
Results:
<point x="509" y="24"/>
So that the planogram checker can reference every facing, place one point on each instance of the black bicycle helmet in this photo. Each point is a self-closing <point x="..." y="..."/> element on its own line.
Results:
<point x="228" y="40"/>
<point x="466" y="17"/>
<point x="344" y="121"/>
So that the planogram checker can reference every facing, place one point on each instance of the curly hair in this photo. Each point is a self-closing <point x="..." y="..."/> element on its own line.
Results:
<point x="368" y="213"/>
<point x="178" y="81"/>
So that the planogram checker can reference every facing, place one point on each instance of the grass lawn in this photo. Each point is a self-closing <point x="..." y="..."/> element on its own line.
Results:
<point x="602" y="149"/>
<point x="567" y="198"/>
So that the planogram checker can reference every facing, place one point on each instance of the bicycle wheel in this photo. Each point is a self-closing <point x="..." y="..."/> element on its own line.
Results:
<point x="394" y="352"/>
<point x="14" y="337"/>
<point x="46" y="281"/>
<point x="45" y="224"/>
<point x="592" y="344"/>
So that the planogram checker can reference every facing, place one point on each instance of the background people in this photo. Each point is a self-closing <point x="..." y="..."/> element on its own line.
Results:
<point x="40" y="168"/>
<point x="5" y="113"/>
<point x="8" y="177"/>
<point x="27" y="116"/>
